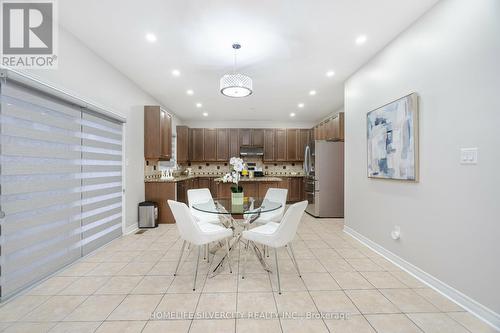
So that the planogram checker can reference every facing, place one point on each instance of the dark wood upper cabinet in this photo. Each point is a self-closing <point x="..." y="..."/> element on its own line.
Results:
<point x="157" y="133"/>
<point x="258" y="137"/>
<point x="234" y="143"/>
<point x="197" y="144"/>
<point x="305" y="137"/>
<point x="182" y="144"/>
<point x="269" y="146"/>
<point x="222" y="144"/>
<point x="210" y="144"/>
<point x="245" y="136"/>
<point x="280" y="153"/>
<point x="292" y="138"/>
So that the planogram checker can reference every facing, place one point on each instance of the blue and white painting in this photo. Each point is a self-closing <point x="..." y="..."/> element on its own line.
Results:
<point x="392" y="133"/>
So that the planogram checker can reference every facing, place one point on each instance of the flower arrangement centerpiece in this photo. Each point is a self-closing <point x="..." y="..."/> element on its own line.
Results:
<point x="234" y="177"/>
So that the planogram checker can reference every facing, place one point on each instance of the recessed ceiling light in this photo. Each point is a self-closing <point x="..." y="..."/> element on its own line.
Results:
<point x="300" y="105"/>
<point x="176" y="72"/>
<point x="361" y="39"/>
<point x="189" y="92"/>
<point x="199" y="105"/>
<point x="292" y="114"/>
<point x="205" y="114"/>
<point x="330" y="73"/>
<point x="151" y="38"/>
<point x="312" y="92"/>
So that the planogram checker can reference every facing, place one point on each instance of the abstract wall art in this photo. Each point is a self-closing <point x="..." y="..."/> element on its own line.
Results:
<point x="392" y="133"/>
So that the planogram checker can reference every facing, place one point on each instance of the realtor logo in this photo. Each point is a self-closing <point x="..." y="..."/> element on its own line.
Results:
<point x="29" y="34"/>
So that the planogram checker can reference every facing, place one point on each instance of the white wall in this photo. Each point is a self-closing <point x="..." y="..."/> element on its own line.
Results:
<point x="450" y="220"/>
<point x="87" y="75"/>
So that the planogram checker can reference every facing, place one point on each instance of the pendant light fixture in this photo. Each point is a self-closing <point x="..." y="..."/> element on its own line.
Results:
<point x="236" y="84"/>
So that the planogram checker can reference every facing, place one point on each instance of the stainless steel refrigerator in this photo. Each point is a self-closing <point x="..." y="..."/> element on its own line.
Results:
<point x="324" y="181"/>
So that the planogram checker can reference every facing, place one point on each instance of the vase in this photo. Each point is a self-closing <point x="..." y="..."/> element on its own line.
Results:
<point x="237" y="199"/>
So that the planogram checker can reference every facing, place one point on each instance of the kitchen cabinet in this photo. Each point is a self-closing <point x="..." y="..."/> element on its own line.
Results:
<point x="204" y="183"/>
<point x="258" y="137"/>
<point x="264" y="186"/>
<point x="328" y="131"/>
<point x="182" y="144"/>
<point x="338" y="127"/>
<point x="292" y="139"/>
<point x="245" y="136"/>
<point x="209" y="144"/>
<point x="234" y="143"/>
<point x="222" y="144"/>
<point x="224" y="190"/>
<point x="294" y="189"/>
<point x="197" y="144"/>
<point x="280" y="153"/>
<point x="160" y="193"/>
<point x="269" y="147"/>
<point x="157" y="133"/>
<point x="305" y="137"/>
<point x="250" y="189"/>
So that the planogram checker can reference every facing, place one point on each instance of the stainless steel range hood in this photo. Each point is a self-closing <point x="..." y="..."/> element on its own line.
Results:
<point x="251" y="151"/>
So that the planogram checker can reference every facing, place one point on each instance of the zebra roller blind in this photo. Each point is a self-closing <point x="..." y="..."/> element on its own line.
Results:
<point x="61" y="184"/>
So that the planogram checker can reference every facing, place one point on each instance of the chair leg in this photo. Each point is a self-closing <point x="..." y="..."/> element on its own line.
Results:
<point x="294" y="260"/>
<point x="277" y="270"/>
<point x="245" y="260"/>
<point x="228" y="256"/>
<point x="180" y="257"/>
<point x="196" y="271"/>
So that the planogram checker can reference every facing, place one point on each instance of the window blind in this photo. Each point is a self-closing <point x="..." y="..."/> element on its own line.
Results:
<point x="60" y="184"/>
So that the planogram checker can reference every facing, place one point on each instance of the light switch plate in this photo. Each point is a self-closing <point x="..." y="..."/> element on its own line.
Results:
<point x="468" y="156"/>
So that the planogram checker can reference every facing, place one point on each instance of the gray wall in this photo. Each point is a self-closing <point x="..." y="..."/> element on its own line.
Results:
<point x="450" y="220"/>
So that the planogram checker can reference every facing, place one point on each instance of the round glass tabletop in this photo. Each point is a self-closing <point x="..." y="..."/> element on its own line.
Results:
<point x="225" y="206"/>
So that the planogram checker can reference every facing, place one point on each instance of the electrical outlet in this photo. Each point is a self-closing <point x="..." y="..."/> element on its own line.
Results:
<point x="468" y="156"/>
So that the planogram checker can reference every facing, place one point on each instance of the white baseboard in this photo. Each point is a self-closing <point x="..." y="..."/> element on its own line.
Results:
<point x="130" y="229"/>
<point x="482" y="312"/>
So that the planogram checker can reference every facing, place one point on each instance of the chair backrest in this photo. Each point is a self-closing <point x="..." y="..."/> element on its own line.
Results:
<point x="197" y="196"/>
<point x="186" y="225"/>
<point x="289" y="224"/>
<point x="275" y="195"/>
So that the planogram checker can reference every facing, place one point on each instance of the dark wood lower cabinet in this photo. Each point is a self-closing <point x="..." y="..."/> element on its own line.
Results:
<point x="160" y="193"/>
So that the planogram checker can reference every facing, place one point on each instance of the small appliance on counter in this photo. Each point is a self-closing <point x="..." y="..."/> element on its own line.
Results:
<point x="148" y="214"/>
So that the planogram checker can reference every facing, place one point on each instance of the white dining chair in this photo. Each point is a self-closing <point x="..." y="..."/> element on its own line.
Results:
<point x="196" y="233"/>
<point x="274" y="195"/>
<point x="277" y="235"/>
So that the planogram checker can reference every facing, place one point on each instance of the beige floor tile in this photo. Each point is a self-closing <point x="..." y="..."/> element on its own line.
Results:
<point x="336" y="265"/>
<point x="408" y="301"/>
<point x="220" y="302"/>
<point x="163" y="268"/>
<point x="303" y="325"/>
<point x="364" y="265"/>
<point x="436" y="323"/>
<point x="86" y="285"/>
<point x="383" y="280"/>
<point x="384" y="263"/>
<point x="289" y="282"/>
<point x="350" y="253"/>
<point x="76" y="327"/>
<point x="408" y="280"/>
<point x="153" y="285"/>
<point x="221" y="283"/>
<point x="121" y="327"/>
<point x="136" y="307"/>
<point x="184" y="284"/>
<point x="52" y="286"/>
<point x="371" y="301"/>
<point x="17" y="308"/>
<point x="167" y="326"/>
<point x="439" y="301"/>
<point x="298" y="302"/>
<point x="319" y="281"/>
<point x="29" y="327"/>
<point x="178" y="303"/>
<point x="79" y="269"/>
<point x="254" y="282"/>
<point x="333" y="302"/>
<point x="119" y="285"/>
<point x="218" y="326"/>
<point x="351" y="280"/>
<point x="392" y="323"/>
<point x="136" y="268"/>
<point x="353" y="324"/>
<point x="107" y="269"/>
<point x="256" y="302"/>
<point x="473" y="324"/>
<point x="308" y="266"/>
<point x="55" y="308"/>
<point x="261" y="326"/>
<point x="95" y="308"/>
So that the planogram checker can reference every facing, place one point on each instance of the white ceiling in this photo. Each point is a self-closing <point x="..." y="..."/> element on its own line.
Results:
<point x="287" y="47"/>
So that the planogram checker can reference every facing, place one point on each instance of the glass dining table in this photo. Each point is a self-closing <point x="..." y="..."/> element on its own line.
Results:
<point x="238" y="218"/>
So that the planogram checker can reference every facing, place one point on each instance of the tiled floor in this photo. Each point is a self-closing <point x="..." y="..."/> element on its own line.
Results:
<point x="118" y="288"/>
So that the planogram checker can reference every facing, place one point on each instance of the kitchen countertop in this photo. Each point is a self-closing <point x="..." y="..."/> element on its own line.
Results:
<point x="267" y="178"/>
